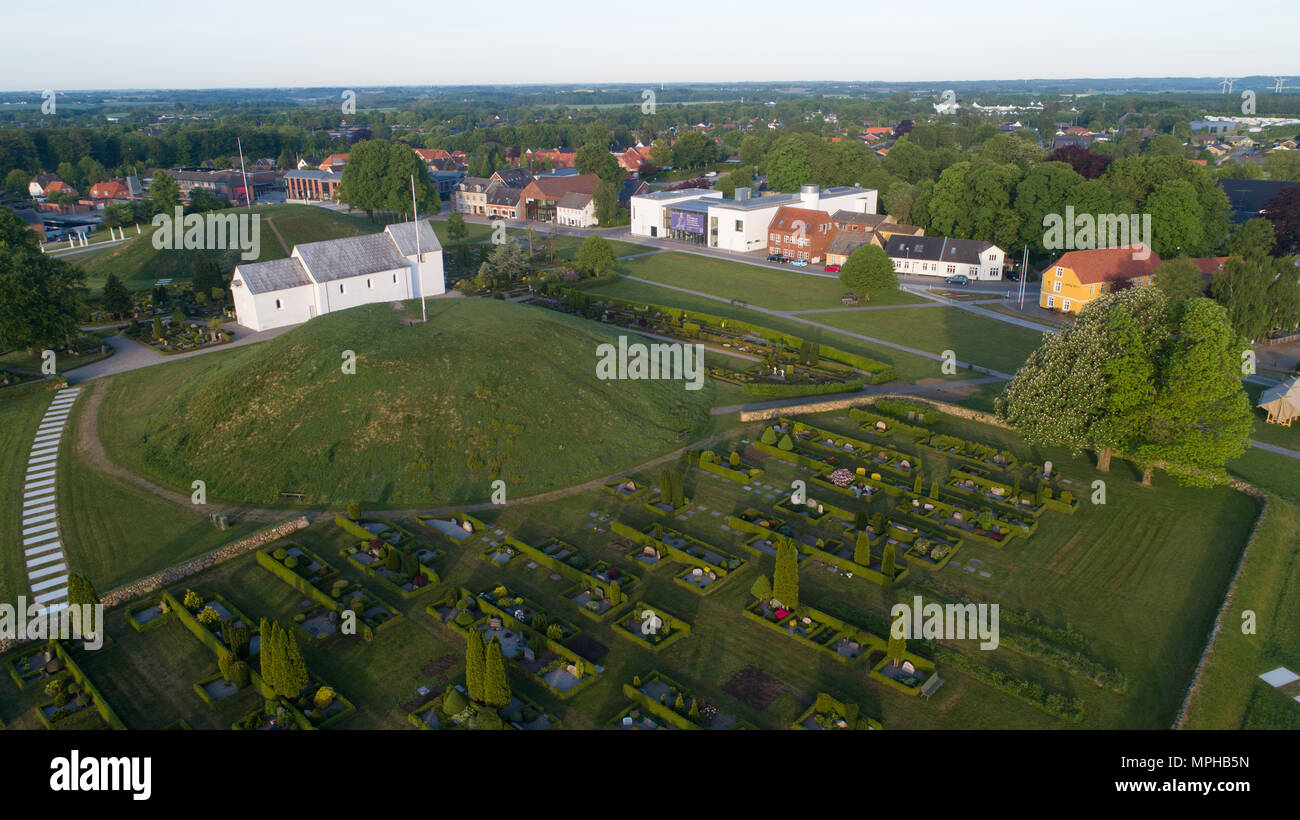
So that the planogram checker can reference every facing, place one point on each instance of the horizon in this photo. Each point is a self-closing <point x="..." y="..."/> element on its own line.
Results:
<point x="370" y="51"/>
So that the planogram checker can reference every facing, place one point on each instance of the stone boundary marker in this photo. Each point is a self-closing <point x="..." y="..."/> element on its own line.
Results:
<point x="171" y="575"/>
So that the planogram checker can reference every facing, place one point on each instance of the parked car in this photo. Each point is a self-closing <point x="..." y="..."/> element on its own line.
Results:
<point x="832" y="269"/>
<point x="799" y="263"/>
<point x="1012" y="276"/>
<point x="776" y="257"/>
<point x="957" y="279"/>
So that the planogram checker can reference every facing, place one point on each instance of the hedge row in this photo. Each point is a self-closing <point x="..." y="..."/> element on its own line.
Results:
<point x="1054" y="703"/>
<point x="105" y="711"/>
<point x="793" y="390"/>
<point x="293" y="579"/>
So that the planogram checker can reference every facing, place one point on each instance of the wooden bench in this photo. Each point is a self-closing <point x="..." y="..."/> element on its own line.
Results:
<point x="931" y="685"/>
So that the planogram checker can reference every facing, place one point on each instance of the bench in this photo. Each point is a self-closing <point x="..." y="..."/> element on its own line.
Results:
<point x="931" y="685"/>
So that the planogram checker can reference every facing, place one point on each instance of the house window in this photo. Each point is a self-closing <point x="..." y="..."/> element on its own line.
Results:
<point x="278" y="305"/>
<point x="368" y="284"/>
<point x="952" y="269"/>
<point x="974" y="272"/>
<point x="1065" y="304"/>
<point x="740" y="226"/>
<point x="1051" y="301"/>
<point x="1091" y="289"/>
<point x="340" y="287"/>
<point x="1059" y="271"/>
<point x="394" y="279"/>
<point x="1056" y="287"/>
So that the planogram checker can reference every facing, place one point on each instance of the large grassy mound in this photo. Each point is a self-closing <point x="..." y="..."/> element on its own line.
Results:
<point x="139" y="264"/>
<point x="433" y="414"/>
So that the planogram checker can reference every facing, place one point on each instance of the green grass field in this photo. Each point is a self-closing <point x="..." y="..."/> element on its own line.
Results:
<point x="910" y="367"/>
<point x="139" y="264"/>
<point x="433" y="414"/>
<point x="752" y="284"/>
<point x="1231" y="695"/>
<point x="973" y="338"/>
<point x="19" y="419"/>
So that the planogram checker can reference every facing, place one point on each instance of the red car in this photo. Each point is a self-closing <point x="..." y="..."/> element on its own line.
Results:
<point x="832" y="268"/>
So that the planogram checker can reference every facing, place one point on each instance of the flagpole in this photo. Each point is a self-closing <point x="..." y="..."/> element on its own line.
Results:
<point x="248" y="196"/>
<point x="419" y="259"/>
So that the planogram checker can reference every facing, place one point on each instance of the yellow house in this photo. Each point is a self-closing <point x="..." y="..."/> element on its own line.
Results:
<point x="1078" y="277"/>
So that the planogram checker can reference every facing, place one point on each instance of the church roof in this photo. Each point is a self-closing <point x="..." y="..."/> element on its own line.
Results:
<point x="277" y="274"/>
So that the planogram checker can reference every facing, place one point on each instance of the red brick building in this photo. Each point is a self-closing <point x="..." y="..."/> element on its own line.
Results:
<point x="800" y="233"/>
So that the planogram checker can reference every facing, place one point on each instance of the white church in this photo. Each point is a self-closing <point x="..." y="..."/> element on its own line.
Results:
<point x="321" y="277"/>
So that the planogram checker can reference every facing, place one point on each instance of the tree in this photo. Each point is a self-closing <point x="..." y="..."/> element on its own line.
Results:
<point x="785" y="581"/>
<point x="605" y="202"/>
<point x="788" y="165"/>
<point x="1175" y="218"/>
<point x="268" y="653"/>
<point x="164" y="192"/>
<point x="1254" y="237"/>
<point x="887" y="563"/>
<point x="1259" y="294"/>
<point x="202" y="201"/>
<point x="661" y="153"/>
<point x="81" y="591"/>
<point x="786" y="443"/>
<point x="1045" y="190"/>
<point x="692" y="150"/>
<point x="1284" y="212"/>
<point x="862" y="550"/>
<point x="595" y="158"/>
<point x="496" y="686"/>
<point x="615" y="593"/>
<point x="475" y="665"/>
<point x="378" y="178"/>
<point x="115" y="300"/>
<point x="1201" y="417"/>
<point x="40" y="297"/>
<point x="896" y="650"/>
<point x="868" y="270"/>
<point x="595" y="256"/>
<point x="768" y="437"/>
<point x="17" y="181"/>
<point x="293" y="675"/>
<point x="458" y="238"/>
<point x="761" y="588"/>
<point x="1179" y="279"/>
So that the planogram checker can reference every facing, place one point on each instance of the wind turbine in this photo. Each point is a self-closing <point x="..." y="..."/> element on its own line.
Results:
<point x="1226" y="85"/>
<point x="1278" y="83"/>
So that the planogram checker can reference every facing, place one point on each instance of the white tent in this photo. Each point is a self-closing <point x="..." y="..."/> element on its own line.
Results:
<point x="1282" y="401"/>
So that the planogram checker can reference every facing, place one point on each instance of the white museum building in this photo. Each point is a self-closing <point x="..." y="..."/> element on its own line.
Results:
<point x="321" y="277"/>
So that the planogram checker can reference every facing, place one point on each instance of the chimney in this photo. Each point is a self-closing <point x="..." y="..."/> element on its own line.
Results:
<point x="810" y="194"/>
<point x="742" y="194"/>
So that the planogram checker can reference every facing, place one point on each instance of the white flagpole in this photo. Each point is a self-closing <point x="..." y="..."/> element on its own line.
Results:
<point x="248" y="195"/>
<point x="419" y="258"/>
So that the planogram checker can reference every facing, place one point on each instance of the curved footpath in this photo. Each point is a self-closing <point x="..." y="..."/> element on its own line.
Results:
<point x="47" y="565"/>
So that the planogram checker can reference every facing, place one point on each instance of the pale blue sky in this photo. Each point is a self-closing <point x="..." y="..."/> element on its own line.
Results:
<point x="82" y="44"/>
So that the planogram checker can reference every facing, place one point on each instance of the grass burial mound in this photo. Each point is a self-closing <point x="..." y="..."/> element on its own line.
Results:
<point x="432" y="415"/>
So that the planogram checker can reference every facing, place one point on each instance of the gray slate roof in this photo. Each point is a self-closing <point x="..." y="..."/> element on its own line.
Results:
<point x="403" y="234"/>
<point x="351" y="256"/>
<point x="936" y="249"/>
<point x="574" y="200"/>
<point x="277" y="274"/>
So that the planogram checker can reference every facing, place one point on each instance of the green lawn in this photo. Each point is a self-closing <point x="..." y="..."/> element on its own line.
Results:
<point x="19" y="419"/>
<point x="430" y="415"/>
<point x="971" y="337"/>
<point x="1277" y="473"/>
<point x="1231" y="695"/>
<point x="752" y="284"/>
<point x="139" y="264"/>
<point x="910" y="367"/>
<point x="1288" y="437"/>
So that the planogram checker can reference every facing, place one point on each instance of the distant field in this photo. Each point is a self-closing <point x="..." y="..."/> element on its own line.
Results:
<point x="1231" y="694"/>
<point x="753" y="284"/>
<point x="971" y="337"/>
<point x="139" y="264"/>
<point x="909" y="366"/>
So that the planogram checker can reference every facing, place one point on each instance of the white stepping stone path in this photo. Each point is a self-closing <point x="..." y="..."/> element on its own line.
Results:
<point x="1279" y="677"/>
<point x="47" y="564"/>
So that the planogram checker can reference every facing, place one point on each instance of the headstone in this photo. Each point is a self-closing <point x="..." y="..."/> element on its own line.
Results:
<point x="529" y="657"/>
<point x="1047" y="469"/>
<point x="908" y="667"/>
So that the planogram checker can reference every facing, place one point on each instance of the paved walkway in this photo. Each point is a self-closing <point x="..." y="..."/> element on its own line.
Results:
<point x="866" y="391"/>
<point x="47" y="565"/>
<point x="129" y="354"/>
<point x="1273" y="448"/>
<point x="972" y="307"/>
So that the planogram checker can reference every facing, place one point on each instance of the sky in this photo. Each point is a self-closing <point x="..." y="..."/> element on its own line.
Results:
<point x="90" y="44"/>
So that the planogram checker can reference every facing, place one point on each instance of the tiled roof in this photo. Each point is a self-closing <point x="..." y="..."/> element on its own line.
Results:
<point x="936" y="249"/>
<point x="574" y="200"/>
<point x="277" y="274"/>
<point x="1104" y="264"/>
<point x="350" y="256"/>
<point x="403" y="234"/>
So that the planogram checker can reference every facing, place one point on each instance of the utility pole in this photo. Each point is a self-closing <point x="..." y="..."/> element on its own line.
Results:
<point x="419" y="257"/>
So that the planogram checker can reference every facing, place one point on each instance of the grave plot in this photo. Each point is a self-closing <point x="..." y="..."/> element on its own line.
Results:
<point x="651" y="627"/>
<point x="962" y="521"/>
<point x="332" y="594"/>
<point x="706" y="565"/>
<point x="829" y="713"/>
<point x="909" y="674"/>
<point x="33" y="668"/>
<point x="459" y="528"/>
<point x="367" y="529"/>
<point x="406" y="570"/>
<point x="876" y="424"/>
<point x="149" y="616"/>
<point x="843" y="641"/>
<point x="668" y="703"/>
<point x="74" y="701"/>
<point x="624" y="488"/>
<point x="731" y="466"/>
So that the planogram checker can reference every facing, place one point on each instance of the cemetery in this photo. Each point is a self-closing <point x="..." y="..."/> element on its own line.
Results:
<point x="651" y="627"/>
<point x="829" y="713"/>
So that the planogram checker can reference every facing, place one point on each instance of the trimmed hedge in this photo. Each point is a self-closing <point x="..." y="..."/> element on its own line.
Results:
<point x="105" y="711"/>
<point x="793" y="390"/>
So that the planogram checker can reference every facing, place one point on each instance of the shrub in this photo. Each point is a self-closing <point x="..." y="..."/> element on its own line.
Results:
<point x="454" y="703"/>
<point x="324" y="697"/>
<point x="192" y="600"/>
<point x="393" y="561"/>
<point x="464" y="619"/>
<point x="769" y="436"/>
<point x="209" y="616"/>
<point x="554" y="632"/>
<point x="354" y="511"/>
<point x="279" y="554"/>
<point x="291" y="562"/>
<point x="786" y="443"/>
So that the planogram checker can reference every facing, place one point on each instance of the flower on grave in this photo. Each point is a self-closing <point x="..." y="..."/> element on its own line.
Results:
<point x="841" y="477"/>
